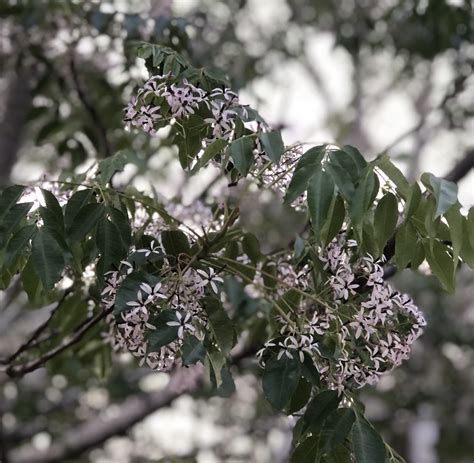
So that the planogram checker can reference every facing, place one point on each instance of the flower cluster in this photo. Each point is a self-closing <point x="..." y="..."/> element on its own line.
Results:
<point x="364" y="329"/>
<point x="162" y="101"/>
<point x="153" y="324"/>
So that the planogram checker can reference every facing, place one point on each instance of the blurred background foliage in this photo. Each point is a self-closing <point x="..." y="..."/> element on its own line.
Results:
<point x="391" y="75"/>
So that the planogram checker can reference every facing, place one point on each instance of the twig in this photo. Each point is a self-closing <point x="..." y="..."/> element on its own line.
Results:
<point x="81" y="330"/>
<point x="97" y="122"/>
<point x="29" y="343"/>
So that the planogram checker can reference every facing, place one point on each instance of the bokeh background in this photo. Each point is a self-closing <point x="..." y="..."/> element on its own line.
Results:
<point x="383" y="75"/>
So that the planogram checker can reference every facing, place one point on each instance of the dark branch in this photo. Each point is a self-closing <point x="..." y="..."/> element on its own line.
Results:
<point x="462" y="168"/>
<point x="89" y="107"/>
<point x="78" y="334"/>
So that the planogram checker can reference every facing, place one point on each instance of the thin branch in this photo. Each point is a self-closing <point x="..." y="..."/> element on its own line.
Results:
<point x="89" y="107"/>
<point x="80" y="331"/>
<point x="30" y="342"/>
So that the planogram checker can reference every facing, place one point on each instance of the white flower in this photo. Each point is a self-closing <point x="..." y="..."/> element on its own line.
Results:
<point x="183" y="323"/>
<point x="154" y="249"/>
<point x="210" y="279"/>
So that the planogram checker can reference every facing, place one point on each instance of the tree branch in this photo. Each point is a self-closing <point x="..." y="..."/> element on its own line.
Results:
<point x="97" y="430"/>
<point x="89" y="107"/>
<point x="80" y="331"/>
<point x="462" y="168"/>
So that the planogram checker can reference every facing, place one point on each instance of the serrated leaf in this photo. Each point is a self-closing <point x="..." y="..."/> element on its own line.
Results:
<point x="385" y="219"/>
<point x="273" y="145"/>
<point x="241" y="152"/>
<point x="280" y="380"/>
<point x="367" y="444"/>
<point x="48" y="258"/>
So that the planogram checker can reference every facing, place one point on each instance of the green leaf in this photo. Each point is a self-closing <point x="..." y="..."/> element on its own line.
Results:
<point x="300" y="397"/>
<point x="336" y="428"/>
<point x="413" y="201"/>
<point x="211" y="151"/>
<point x="307" y="451"/>
<point x="111" y="249"/>
<point x="192" y="351"/>
<point x="385" y="219"/>
<point x="346" y="162"/>
<point x="384" y="163"/>
<point x="363" y="195"/>
<point x="467" y="249"/>
<point x="76" y="202"/>
<point x="470" y="226"/>
<point x="17" y="243"/>
<point x="321" y="190"/>
<point x="320" y="408"/>
<point x="367" y="444"/>
<point x="221" y="325"/>
<point x="356" y="158"/>
<point x="304" y="170"/>
<point x="31" y="282"/>
<point x="241" y="151"/>
<point x="455" y="221"/>
<point x="342" y="178"/>
<point x="189" y="146"/>
<point x="175" y="242"/>
<point x="280" y="380"/>
<point x="273" y="145"/>
<point x="251" y="247"/>
<point x="404" y="239"/>
<point x="334" y="221"/>
<point x="123" y="225"/>
<point x="441" y="264"/>
<point x="48" y="258"/>
<point x="11" y="220"/>
<point x="52" y="205"/>
<point x="444" y="191"/>
<point x="84" y="221"/>
<point x="9" y="197"/>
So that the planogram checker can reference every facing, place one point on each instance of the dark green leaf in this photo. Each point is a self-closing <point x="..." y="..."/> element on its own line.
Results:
<point x="76" y="202"/>
<point x="307" y="451"/>
<point x="175" y="242"/>
<point x="193" y="350"/>
<point x="334" y="222"/>
<point x="321" y="190"/>
<point x="280" y="380"/>
<point x="221" y="325"/>
<point x="441" y="264"/>
<point x="18" y="242"/>
<point x="163" y="334"/>
<point x="251" y="247"/>
<point x="111" y="249"/>
<point x="84" y="221"/>
<point x="404" y="239"/>
<point x="241" y="151"/>
<point x="367" y="444"/>
<point x="320" y="408"/>
<point x="455" y="221"/>
<point x="385" y="219"/>
<point x="47" y="258"/>
<point x="9" y="197"/>
<point x="363" y="195"/>
<point x="336" y="428"/>
<point x="300" y="397"/>
<point x="304" y="170"/>
<point x="413" y="201"/>
<point x="393" y="173"/>
<point x="273" y="145"/>
<point x="129" y="288"/>
<point x="11" y="219"/>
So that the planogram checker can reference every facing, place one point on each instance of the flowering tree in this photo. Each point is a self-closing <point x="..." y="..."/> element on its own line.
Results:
<point x="194" y="286"/>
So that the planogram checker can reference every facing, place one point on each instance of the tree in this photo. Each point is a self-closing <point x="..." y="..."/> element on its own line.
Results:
<point x="174" y="291"/>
